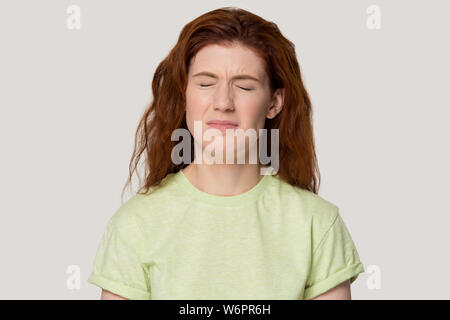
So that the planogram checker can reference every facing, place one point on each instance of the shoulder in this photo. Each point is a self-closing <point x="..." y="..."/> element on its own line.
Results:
<point x="124" y="219"/>
<point x="141" y="206"/>
<point x="321" y="213"/>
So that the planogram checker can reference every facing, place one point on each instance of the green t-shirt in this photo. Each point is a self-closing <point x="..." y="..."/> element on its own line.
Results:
<point x="275" y="241"/>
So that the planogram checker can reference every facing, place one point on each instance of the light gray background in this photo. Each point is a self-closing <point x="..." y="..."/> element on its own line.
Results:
<point x="71" y="100"/>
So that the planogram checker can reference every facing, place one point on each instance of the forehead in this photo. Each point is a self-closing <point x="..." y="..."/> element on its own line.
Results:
<point x="227" y="60"/>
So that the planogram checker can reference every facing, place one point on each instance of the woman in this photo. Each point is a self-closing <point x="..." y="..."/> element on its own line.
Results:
<point x="212" y="230"/>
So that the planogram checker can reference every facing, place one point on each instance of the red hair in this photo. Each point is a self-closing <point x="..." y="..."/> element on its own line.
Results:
<point x="297" y="157"/>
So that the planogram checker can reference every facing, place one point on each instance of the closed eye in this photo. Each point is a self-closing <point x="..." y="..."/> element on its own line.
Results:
<point x="208" y="85"/>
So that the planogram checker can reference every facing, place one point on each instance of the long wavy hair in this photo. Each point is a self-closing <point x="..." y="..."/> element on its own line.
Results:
<point x="167" y="111"/>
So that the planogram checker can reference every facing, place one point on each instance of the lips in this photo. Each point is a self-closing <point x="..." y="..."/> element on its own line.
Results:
<point x="222" y="123"/>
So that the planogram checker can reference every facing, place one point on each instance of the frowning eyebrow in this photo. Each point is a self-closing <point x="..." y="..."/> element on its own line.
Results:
<point x="236" y="77"/>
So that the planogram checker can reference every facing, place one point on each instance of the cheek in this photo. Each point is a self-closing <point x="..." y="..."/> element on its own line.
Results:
<point x="253" y="115"/>
<point x="195" y="106"/>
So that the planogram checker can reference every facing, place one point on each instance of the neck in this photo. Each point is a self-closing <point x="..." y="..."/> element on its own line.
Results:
<point x="223" y="179"/>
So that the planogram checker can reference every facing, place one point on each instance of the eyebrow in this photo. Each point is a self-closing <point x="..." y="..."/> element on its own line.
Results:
<point x="237" y="77"/>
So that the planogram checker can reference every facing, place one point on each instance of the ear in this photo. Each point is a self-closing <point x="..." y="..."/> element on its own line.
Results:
<point x="277" y="104"/>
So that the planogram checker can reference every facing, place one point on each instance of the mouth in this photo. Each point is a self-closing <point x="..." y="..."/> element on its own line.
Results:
<point x="222" y="125"/>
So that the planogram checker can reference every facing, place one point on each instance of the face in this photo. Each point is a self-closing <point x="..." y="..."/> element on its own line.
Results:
<point x="229" y="83"/>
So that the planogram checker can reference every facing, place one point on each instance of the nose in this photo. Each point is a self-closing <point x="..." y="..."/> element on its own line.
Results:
<point x="223" y="99"/>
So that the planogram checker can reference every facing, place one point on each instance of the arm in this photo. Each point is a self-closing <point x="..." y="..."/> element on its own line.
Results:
<point x="340" y="292"/>
<point x="108" y="295"/>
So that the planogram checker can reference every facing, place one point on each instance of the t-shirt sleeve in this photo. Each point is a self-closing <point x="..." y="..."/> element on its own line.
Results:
<point x="334" y="260"/>
<point x="117" y="266"/>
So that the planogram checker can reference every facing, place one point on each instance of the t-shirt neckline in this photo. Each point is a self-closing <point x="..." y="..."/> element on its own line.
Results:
<point x="230" y="201"/>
